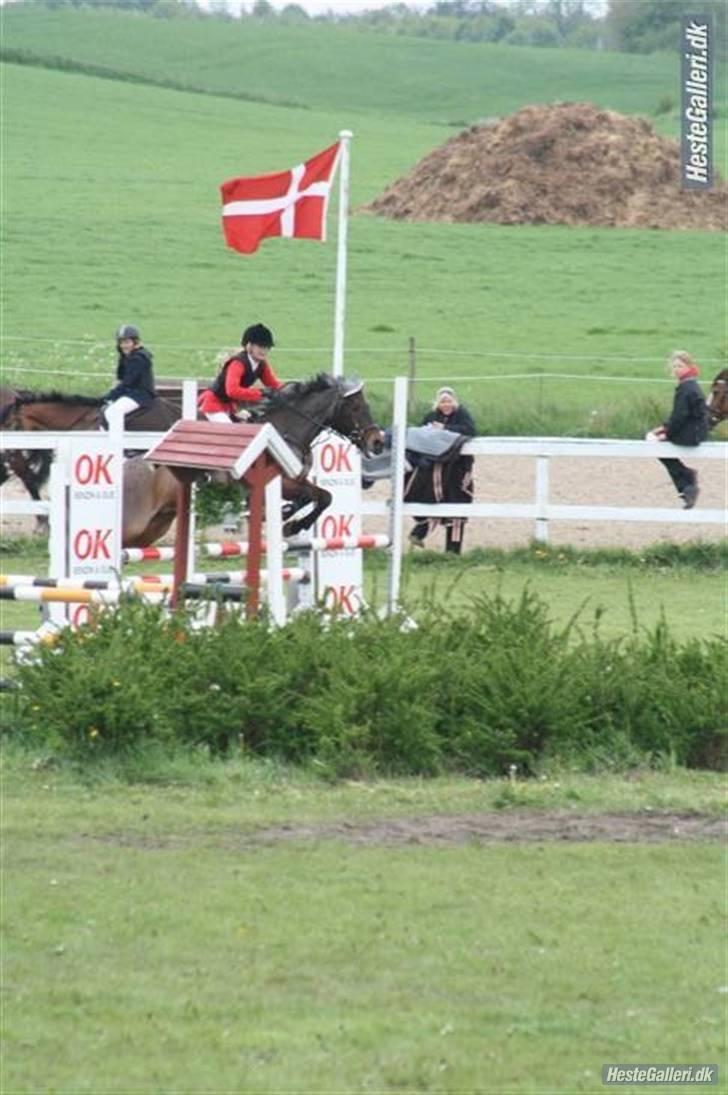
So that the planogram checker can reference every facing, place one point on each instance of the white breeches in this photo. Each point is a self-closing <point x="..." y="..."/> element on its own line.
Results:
<point x="217" y="416"/>
<point x="121" y="407"/>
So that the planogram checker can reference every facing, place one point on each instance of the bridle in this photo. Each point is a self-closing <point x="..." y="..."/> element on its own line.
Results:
<point x="357" y="435"/>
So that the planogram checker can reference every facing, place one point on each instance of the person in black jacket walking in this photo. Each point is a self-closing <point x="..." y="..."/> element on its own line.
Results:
<point x="134" y="373"/>
<point x="447" y="414"/>
<point x="687" y="425"/>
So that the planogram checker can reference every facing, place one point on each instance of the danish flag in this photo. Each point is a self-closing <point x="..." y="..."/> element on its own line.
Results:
<point x="288" y="203"/>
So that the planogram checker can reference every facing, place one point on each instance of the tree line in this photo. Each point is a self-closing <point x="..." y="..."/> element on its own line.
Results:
<point x="645" y="27"/>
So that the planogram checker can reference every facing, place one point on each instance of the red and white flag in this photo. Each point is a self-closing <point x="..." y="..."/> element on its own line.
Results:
<point x="288" y="203"/>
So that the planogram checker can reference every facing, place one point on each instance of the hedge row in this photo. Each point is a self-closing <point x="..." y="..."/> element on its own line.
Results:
<point x="470" y="691"/>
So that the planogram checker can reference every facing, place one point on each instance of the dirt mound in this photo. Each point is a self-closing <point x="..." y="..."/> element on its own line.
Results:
<point x="568" y="163"/>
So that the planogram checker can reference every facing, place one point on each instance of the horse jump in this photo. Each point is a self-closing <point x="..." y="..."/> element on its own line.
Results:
<point x="14" y="581"/>
<point x="226" y="549"/>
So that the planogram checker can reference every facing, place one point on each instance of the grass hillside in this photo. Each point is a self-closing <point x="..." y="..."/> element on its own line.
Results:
<point x="324" y="66"/>
<point x="111" y="213"/>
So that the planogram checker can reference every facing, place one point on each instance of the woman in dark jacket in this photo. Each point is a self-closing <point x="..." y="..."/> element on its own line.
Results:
<point x="134" y="373"/>
<point x="687" y="425"/>
<point x="447" y="414"/>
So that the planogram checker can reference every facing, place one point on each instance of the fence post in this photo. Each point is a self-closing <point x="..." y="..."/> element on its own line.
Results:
<point x="412" y="373"/>
<point x="399" y="437"/>
<point x="542" y="498"/>
<point x="276" y="598"/>
<point x="189" y="410"/>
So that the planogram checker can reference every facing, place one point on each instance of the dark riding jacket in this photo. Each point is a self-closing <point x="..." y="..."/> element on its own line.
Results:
<point x="460" y="421"/>
<point x="234" y="384"/>
<point x="135" y="376"/>
<point x="688" y="422"/>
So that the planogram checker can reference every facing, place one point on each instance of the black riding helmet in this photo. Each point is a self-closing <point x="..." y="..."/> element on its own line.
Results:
<point x="258" y="334"/>
<point x="127" y="330"/>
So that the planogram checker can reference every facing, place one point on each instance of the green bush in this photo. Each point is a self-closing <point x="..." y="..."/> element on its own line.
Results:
<point x="474" y="690"/>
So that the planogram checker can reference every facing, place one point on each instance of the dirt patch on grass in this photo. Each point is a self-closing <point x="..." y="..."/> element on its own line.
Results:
<point x="510" y="826"/>
<point x="442" y="830"/>
<point x="564" y="163"/>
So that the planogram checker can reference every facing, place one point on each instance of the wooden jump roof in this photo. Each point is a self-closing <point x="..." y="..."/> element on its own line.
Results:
<point x="221" y="446"/>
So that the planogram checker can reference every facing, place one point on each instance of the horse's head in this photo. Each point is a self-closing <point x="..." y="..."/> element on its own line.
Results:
<point x="718" y="398"/>
<point x="353" y="418"/>
<point x="302" y="409"/>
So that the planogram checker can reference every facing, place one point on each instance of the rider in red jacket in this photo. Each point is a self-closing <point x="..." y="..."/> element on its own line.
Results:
<point x="233" y="387"/>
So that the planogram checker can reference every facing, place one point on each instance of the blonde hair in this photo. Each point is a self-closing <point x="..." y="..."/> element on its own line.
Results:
<point x="445" y="391"/>
<point x="681" y="357"/>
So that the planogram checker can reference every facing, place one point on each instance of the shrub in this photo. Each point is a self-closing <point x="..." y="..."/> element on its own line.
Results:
<point x="472" y="690"/>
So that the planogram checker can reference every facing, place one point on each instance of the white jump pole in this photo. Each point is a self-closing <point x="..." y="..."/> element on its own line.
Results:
<point x="340" y="302"/>
<point x="189" y="410"/>
<point x="399" y="437"/>
<point x="276" y="596"/>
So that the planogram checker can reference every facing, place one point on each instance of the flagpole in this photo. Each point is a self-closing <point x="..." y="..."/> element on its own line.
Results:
<point x="340" y="302"/>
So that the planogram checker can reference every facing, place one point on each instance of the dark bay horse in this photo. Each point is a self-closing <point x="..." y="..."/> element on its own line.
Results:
<point x="718" y="399"/>
<point x="299" y="411"/>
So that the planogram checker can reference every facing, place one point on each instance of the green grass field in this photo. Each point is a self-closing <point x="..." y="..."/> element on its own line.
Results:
<point x="364" y="73"/>
<point x="153" y="941"/>
<point x="150" y="946"/>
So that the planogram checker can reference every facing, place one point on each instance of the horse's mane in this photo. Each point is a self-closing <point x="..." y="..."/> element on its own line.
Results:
<point x="296" y="390"/>
<point x="22" y="399"/>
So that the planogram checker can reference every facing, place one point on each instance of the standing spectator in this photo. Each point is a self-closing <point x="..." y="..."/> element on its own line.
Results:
<point x="687" y="425"/>
<point x="447" y="414"/>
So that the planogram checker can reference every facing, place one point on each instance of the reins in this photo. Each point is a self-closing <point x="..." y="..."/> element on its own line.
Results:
<point x="356" y="435"/>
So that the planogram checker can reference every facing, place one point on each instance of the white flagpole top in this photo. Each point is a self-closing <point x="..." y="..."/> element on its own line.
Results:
<point x="345" y="134"/>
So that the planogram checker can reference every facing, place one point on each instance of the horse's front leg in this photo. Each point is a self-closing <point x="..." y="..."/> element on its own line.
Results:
<point x="305" y="494"/>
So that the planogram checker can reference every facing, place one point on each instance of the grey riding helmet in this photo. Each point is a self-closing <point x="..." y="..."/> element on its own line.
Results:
<point x="128" y="330"/>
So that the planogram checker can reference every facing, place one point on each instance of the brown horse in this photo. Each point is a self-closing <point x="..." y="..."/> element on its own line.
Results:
<point x="62" y="411"/>
<point x="299" y="411"/>
<point x="718" y="399"/>
<point x="26" y="410"/>
<point x="30" y="466"/>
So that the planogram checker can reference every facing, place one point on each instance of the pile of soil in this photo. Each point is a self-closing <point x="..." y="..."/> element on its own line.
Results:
<point x="567" y="163"/>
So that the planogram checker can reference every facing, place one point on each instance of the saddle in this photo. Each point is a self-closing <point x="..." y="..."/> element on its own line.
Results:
<point x="159" y="414"/>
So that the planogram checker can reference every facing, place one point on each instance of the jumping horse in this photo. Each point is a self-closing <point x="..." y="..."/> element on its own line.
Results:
<point x="299" y="411"/>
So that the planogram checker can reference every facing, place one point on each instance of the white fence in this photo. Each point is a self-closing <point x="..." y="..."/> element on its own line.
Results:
<point x="540" y="510"/>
